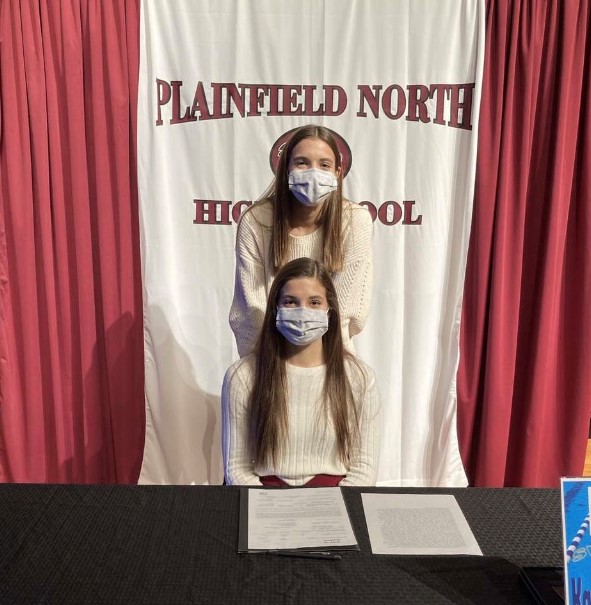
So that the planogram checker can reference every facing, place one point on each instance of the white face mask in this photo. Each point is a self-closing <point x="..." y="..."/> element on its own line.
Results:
<point x="300" y="326"/>
<point x="311" y="187"/>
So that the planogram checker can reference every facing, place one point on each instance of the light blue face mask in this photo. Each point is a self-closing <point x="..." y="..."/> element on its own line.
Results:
<point x="311" y="187"/>
<point x="300" y="326"/>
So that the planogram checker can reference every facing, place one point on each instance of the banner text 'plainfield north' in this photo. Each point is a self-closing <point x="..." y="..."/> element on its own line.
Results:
<point x="444" y="104"/>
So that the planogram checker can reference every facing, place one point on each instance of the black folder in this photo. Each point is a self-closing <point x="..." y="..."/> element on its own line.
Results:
<point x="544" y="584"/>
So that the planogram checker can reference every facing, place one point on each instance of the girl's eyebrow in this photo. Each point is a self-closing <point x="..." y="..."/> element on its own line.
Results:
<point x="305" y="157"/>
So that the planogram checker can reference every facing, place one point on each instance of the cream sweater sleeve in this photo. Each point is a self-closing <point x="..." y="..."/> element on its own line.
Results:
<point x="250" y="293"/>
<point x="363" y="468"/>
<point x="354" y="283"/>
<point x="238" y="467"/>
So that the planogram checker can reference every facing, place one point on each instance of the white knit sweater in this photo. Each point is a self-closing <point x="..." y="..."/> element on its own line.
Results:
<point x="311" y="446"/>
<point x="254" y="271"/>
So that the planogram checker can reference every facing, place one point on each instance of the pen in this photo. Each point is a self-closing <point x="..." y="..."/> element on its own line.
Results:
<point x="316" y="554"/>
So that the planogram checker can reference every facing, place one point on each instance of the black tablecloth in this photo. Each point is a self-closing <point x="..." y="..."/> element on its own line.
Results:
<point x="178" y="544"/>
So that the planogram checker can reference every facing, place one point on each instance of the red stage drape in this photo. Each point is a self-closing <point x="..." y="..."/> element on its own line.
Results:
<point x="524" y="382"/>
<point x="71" y="342"/>
<point x="71" y="357"/>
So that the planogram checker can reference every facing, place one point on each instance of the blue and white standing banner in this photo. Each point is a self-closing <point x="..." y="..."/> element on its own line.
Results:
<point x="575" y="495"/>
<point x="221" y="82"/>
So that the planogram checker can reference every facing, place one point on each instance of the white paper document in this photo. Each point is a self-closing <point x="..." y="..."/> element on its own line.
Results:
<point x="425" y="524"/>
<point x="298" y="518"/>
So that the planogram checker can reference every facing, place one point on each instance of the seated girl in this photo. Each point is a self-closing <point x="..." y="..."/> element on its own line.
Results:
<point x="300" y="409"/>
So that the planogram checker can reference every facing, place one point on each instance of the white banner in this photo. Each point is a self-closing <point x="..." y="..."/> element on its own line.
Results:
<point x="221" y="82"/>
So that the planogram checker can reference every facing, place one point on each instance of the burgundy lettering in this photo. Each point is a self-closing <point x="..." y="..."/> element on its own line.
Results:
<point x="257" y="98"/>
<point x="237" y="209"/>
<point x="309" y="102"/>
<point x="200" y="105"/>
<point x="329" y="100"/>
<point x="291" y="104"/>
<point x="212" y="212"/>
<point x="408" y="220"/>
<point x="373" y="100"/>
<point x="465" y="106"/>
<point x="176" y="104"/>
<point x="417" y="108"/>
<point x="395" y="212"/>
<point x="400" y="104"/>
<point x="439" y="92"/>
<point x="163" y="96"/>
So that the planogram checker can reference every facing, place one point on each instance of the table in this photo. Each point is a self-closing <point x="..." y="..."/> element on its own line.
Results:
<point x="178" y="544"/>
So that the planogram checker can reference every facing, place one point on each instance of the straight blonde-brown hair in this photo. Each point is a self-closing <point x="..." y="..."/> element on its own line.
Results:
<point x="268" y="414"/>
<point x="331" y="214"/>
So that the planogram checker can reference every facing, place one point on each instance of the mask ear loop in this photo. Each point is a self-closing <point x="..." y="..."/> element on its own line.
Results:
<point x="339" y="173"/>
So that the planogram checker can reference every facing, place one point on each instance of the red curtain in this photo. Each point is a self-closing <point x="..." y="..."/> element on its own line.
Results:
<point x="71" y="336"/>
<point x="524" y="382"/>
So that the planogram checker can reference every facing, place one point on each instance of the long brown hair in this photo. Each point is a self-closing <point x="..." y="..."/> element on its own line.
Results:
<point x="268" y="415"/>
<point x="331" y="214"/>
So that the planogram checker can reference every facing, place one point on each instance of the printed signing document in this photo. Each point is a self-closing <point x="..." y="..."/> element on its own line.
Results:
<point x="426" y="524"/>
<point x="304" y="518"/>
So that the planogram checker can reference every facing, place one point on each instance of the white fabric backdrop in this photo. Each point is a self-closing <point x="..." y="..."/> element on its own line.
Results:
<point x="414" y="152"/>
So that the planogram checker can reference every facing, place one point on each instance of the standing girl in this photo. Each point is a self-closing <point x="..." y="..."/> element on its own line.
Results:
<point x="300" y="410"/>
<point x="303" y="214"/>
